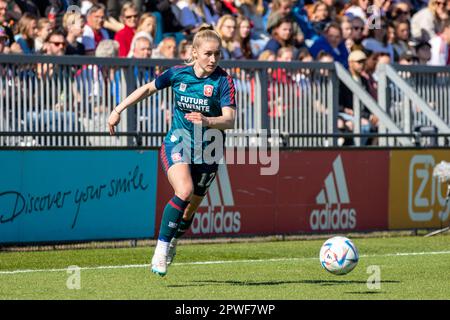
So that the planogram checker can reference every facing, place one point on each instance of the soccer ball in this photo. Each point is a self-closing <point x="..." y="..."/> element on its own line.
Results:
<point x="339" y="255"/>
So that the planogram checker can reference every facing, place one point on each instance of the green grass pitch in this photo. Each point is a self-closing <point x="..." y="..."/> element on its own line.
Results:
<point x="410" y="268"/>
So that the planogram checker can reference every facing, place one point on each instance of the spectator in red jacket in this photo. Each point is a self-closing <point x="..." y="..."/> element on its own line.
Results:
<point x="130" y="17"/>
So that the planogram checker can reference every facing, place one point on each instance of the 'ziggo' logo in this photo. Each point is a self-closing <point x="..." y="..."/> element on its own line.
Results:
<point x="424" y="190"/>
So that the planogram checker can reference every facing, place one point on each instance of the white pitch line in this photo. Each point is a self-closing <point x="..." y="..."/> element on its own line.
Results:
<point x="131" y="266"/>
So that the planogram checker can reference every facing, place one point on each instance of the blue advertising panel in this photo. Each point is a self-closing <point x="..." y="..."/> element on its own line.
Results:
<point x="48" y="196"/>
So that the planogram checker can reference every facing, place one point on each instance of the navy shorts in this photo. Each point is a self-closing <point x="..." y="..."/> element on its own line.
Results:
<point x="203" y="174"/>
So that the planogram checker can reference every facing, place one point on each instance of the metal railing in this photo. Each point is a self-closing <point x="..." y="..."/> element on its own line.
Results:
<point x="416" y="97"/>
<point x="76" y="94"/>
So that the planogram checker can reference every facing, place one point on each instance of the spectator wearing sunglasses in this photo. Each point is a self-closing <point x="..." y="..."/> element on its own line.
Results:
<point x="357" y="34"/>
<point x="56" y="44"/>
<point x="428" y="21"/>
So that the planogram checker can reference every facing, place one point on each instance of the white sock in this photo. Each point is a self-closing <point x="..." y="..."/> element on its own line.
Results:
<point x="162" y="247"/>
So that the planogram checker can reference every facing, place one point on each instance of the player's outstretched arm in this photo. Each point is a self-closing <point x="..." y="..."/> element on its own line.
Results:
<point x="225" y="121"/>
<point x="136" y="96"/>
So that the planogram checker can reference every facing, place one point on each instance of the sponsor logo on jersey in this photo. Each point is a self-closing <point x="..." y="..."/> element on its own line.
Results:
<point x="208" y="90"/>
<point x="336" y="214"/>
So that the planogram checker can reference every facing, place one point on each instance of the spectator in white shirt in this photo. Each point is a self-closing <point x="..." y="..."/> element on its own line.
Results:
<point x="440" y="45"/>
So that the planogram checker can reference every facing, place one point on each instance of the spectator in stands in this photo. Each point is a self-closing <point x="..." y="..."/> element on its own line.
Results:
<point x="391" y="33"/>
<point x="357" y="8"/>
<point x="107" y="49"/>
<point x="285" y="54"/>
<point x="113" y="7"/>
<point x="401" y="11"/>
<point x="304" y="55"/>
<point x="407" y="58"/>
<point x="17" y="8"/>
<point x="332" y="43"/>
<point x="242" y="47"/>
<point x="401" y="38"/>
<point x="147" y="23"/>
<point x="56" y="114"/>
<point x="357" y="33"/>
<point x="267" y="55"/>
<point x="369" y="69"/>
<point x="281" y="77"/>
<point x="384" y="58"/>
<point x="254" y="11"/>
<point x="167" y="49"/>
<point x="73" y="24"/>
<point x="378" y="40"/>
<point x="43" y="31"/>
<point x="110" y="22"/>
<point x="282" y="35"/>
<point x="168" y="23"/>
<point x="185" y="49"/>
<point x="282" y="9"/>
<point x="428" y="21"/>
<point x="196" y="12"/>
<point x="324" y="57"/>
<point x="226" y="28"/>
<point x="440" y="46"/>
<point x="319" y="16"/>
<point x="27" y="30"/>
<point x="129" y="15"/>
<point x="56" y="44"/>
<point x="376" y="10"/>
<point x="423" y="51"/>
<point x="356" y="62"/>
<point x="4" y="41"/>
<point x="142" y="46"/>
<point x="93" y="30"/>
<point x="332" y="8"/>
<point x="346" y="27"/>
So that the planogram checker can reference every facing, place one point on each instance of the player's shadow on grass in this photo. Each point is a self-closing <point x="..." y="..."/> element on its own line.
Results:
<point x="203" y="283"/>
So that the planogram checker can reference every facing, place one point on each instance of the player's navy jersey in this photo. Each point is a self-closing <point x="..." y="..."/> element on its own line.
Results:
<point x="193" y="94"/>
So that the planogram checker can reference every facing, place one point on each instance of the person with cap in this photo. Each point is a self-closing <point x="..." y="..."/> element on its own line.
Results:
<point x="356" y="62"/>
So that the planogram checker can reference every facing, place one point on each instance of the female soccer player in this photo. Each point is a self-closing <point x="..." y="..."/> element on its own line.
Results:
<point x="204" y="100"/>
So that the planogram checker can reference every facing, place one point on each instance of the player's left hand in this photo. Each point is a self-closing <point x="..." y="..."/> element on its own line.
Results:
<point x="197" y="118"/>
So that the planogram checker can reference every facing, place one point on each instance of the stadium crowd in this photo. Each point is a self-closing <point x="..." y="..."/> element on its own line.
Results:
<point x="402" y="31"/>
<point x="360" y="34"/>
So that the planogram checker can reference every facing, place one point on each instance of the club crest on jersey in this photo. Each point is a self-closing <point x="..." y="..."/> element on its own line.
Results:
<point x="208" y="90"/>
<point x="176" y="157"/>
<point x="183" y="87"/>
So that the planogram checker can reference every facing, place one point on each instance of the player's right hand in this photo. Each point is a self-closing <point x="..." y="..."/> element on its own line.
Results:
<point x="113" y="120"/>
